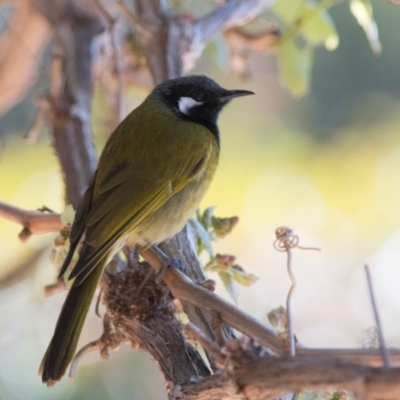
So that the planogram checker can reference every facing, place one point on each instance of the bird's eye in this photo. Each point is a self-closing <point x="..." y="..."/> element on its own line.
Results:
<point x="198" y="96"/>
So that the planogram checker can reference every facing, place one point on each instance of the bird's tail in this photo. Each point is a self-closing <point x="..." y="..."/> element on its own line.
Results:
<point x="63" y="344"/>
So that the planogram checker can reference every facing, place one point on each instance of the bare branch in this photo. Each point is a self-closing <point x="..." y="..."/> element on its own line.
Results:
<point x="371" y="357"/>
<point x="268" y="378"/>
<point x="92" y="346"/>
<point x="231" y="13"/>
<point x="39" y="222"/>
<point x="75" y="30"/>
<point x="185" y="289"/>
<point x="20" y="53"/>
<point x="194" y="333"/>
<point x="33" y="222"/>
<point x="112" y="29"/>
<point x="58" y="286"/>
<point x="161" y="40"/>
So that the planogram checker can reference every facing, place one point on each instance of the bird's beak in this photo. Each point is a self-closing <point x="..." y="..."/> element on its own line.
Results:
<point x="231" y="94"/>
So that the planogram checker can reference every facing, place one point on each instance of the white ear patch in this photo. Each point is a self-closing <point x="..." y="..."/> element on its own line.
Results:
<point x="186" y="103"/>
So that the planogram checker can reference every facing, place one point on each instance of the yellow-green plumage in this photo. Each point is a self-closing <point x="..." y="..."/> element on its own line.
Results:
<point x="152" y="174"/>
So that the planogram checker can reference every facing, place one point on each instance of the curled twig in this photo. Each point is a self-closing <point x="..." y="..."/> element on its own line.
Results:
<point x="95" y="345"/>
<point x="285" y="242"/>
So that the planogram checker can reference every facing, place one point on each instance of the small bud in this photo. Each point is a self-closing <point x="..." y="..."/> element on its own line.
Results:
<point x="223" y="226"/>
<point x="278" y="319"/>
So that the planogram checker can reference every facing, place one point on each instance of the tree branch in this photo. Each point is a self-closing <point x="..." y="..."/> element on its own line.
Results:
<point x="268" y="378"/>
<point x="33" y="222"/>
<point x="187" y="291"/>
<point x="69" y="114"/>
<point x="232" y="13"/>
<point x="20" y="53"/>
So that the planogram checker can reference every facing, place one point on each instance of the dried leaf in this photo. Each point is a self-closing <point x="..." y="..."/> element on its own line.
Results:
<point x="241" y="277"/>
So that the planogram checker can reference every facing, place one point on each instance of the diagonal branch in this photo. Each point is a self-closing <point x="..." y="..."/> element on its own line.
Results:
<point x="231" y="13"/>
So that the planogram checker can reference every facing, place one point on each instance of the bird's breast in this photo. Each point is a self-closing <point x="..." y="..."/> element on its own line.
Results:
<point x="171" y="217"/>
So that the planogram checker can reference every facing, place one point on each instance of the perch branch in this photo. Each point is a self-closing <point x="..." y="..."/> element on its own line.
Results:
<point x="185" y="289"/>
<point x="269" y="378"/>
<point x="194" y="333"/>
<point x="40" y="222"/>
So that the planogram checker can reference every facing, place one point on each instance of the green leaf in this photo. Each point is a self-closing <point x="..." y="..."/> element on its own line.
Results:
<point x="363" y="13"/>
<point x="212" y="266"/>
<point x="295" y="66"/>
<point x="230" y="285"/>
<point x="319" y="29"/>
<point x="288" y="11"/>
<point x="202" y="235"/>
<point x="207" y="217"/>
<point x="68" y="215"/>
<point x="242" y="277"/>
<point x="218" y="51"/>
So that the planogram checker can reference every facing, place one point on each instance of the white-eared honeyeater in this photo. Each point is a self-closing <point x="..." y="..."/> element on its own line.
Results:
<point x="152" y="174"/>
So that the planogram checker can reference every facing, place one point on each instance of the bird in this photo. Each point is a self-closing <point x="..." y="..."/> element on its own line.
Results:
<point x="152" y="174"/>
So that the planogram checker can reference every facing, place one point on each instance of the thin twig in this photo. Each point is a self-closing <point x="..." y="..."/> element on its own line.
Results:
<point x="194" y="333"/>
<point x="292" y="346"/>
<point x="284" y="242"/>
<point x="217" y="326"/>
<point x="54" y="288"/>
<point x="95" y="345"/>
<point x="97" y="308"/>
<point x="133" y="18"/>
<point x="382" y="343"/>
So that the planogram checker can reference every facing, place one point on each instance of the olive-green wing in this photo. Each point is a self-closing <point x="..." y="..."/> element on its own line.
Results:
<point x="79" y="226"/>
<point x="121" y="205"/>
<point x="113" y="214"/>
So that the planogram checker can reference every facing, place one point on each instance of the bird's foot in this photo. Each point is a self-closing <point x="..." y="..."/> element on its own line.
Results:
<point x="167" y="262"/>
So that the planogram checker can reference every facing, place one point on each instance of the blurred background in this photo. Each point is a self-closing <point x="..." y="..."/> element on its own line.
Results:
<point x="327" y="165"/>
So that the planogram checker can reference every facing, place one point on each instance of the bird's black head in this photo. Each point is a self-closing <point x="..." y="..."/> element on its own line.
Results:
<point x="197" y="98"/>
